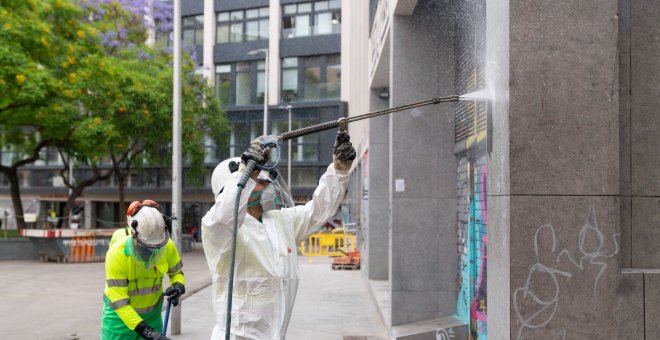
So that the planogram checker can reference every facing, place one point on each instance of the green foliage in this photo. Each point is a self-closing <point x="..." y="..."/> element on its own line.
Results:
<point x="11" y="233"/>
<point x="78" y="74"/>
<point x="43" y="48"/>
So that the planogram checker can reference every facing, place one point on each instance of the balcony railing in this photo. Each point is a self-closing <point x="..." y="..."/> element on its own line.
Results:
<point x="378" y="34"/>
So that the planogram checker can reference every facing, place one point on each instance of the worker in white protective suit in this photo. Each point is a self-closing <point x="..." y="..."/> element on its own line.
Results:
<point x="270" y="228"/>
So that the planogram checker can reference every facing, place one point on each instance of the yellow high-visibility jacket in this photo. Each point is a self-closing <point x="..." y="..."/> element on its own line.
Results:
<point x="133" y="291"/>
<point x="120" y="234"/>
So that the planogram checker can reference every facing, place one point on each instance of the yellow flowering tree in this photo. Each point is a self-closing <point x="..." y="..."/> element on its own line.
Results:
<point x="43" y="47"/>
<point x="77" y="76"/>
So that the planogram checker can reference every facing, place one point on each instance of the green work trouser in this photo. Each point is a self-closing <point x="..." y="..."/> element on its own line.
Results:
<point x="113" y="328"/>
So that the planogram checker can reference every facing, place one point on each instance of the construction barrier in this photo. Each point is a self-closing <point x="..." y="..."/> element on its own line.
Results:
<point x="327" y="245"/>
<point x="69" y="245"/>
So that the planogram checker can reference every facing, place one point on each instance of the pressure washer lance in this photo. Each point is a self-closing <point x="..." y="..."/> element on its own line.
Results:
<point x="336" y="123"/>
<point x="271" y="142"/>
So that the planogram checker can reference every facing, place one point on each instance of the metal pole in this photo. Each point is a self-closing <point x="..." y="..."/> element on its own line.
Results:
<point x="176" y="150"/>
<point x="266" y="95"/>
<point x="288" y="175"/>
<point x="71" y="190"/>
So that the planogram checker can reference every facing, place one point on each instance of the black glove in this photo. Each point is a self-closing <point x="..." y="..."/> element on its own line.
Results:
<point x="174" y="292"/>
<point x="149" y="333"/>
<point x="256" y="153"/>
<point x="343" y="152"/>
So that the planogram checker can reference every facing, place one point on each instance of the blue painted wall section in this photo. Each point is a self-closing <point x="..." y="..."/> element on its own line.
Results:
<point x="473" y="245"/>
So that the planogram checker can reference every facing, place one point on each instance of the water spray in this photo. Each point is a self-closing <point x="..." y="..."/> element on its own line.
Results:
<point x="271" y="141"/>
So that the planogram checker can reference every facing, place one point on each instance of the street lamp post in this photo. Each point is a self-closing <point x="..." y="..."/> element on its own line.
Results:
<point x="265" y="52"/>
<point x="176" y="150"/>
<point x="288" y="164"/>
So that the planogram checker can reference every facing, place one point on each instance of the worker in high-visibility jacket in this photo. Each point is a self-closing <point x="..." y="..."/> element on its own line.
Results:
<point x="134" y="269"/>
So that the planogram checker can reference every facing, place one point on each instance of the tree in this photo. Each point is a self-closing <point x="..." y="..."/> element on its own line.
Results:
<point x="92" y="88"/>
<point x="43" y="48"/>
<point x="136" y="98"/>
<point x="138" y="113"/>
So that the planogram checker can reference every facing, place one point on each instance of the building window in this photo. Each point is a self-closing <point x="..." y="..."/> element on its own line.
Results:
<point x="242" y="133"/>
<point x="261" y="81"/>
<point x="311" y="18"/>
<point x="311" y="78"/>
<point x="193" y="30"/>
<point x="241" y="83"/>
<point x="289" y="80"/>
<point x="164" y="38"/>
<point x="223" y="83"/>
<point x="210" y="151"/>
<point x="303" y="149"/>
<point x="242" y="25"/>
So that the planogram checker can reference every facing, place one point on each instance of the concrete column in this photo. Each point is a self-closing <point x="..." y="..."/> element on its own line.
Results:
<point x="274" y="61"/>
<point x="377" y="235"/>
<point x="89" y="222"/>
<point x="422" y="178"/>
<point x="209" y="42"/>
<point x="499" y="257"/>
<point x="640" y="141"/>
<point x="644" y="133"/>
<point x="558" y="263"/>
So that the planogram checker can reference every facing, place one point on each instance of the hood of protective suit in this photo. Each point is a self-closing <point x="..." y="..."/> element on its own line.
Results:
<point x="275" y="196"/>
<point x="222" y="172"/>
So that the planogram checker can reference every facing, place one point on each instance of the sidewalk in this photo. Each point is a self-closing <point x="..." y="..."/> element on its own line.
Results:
<point x="64" y="301"/>
<point x="48" y="300"/>
<point x="330" y="305"/>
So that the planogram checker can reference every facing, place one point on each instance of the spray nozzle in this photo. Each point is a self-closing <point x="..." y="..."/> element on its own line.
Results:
<point x="343" y="125"/>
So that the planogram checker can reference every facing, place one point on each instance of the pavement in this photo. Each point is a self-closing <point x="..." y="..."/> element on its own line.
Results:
<point x="47" y="300"/>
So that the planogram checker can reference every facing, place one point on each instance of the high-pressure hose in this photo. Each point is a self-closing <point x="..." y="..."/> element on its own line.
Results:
<point x="241" y="184"/>
<point x="268" y="141"/>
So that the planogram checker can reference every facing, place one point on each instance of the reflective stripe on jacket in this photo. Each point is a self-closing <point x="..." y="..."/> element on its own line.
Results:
<point x="133" y="291"/>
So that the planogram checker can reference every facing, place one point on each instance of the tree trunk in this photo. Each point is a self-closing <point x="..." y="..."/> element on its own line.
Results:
<point x="14" y="187"/>
<point x="15" y="192"/>
<point x="61" y="214"/>
<point x="71" y="201"/>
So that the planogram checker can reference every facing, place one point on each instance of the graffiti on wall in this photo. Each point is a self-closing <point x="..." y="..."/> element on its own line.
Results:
<point x="473" y="246"/>
<point x="463" y="219"/>
<point x="444" y="334"/>
<point x="536" y="302"/>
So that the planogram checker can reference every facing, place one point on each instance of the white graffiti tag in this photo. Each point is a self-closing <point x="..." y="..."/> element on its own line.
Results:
<point x="534" y="307"/>
<point x="444" y="334"/>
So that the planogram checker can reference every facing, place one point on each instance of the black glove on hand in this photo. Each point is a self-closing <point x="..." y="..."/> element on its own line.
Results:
<point x="343" y="152"/>
<point x="256" y="153"/>
<point x="174" y="292"/>
<point x="149" y="333"/>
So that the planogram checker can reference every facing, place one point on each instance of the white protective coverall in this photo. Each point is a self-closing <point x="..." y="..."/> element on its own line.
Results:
<point x="266" y="271"/>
